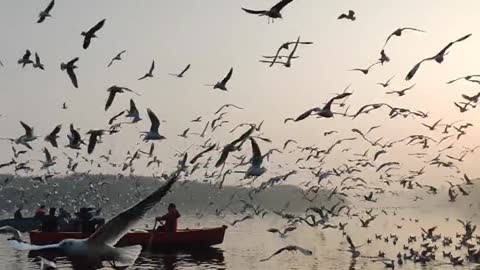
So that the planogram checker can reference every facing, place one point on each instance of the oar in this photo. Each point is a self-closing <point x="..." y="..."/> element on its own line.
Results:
<point x="152" y="233"/>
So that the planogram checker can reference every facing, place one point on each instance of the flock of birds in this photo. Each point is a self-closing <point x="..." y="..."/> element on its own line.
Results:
<point x="219" y="160"/>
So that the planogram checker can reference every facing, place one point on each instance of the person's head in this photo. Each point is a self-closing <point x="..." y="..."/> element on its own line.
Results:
<point x="52" y="211"/>
<point x="42" y="206"/>
<point x="172" y="207"/>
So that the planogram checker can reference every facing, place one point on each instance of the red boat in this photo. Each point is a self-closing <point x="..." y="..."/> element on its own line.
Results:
<point x="187" y="238"/>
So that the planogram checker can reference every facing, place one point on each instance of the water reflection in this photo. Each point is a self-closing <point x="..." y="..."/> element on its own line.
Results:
<point x="208" y="258"/>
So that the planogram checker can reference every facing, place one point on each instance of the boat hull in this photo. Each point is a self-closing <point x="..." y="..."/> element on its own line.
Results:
<point x="195" y="238"/>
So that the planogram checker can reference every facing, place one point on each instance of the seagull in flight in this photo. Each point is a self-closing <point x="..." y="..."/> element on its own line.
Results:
<point x="402" y="92"/>
<point x="70" y="67"/>
<point x="25" y="60"/>
<point x="291" y="56"/>
<point x="46" y="13"/>
<point x="153" y="133"/>
<point x="180" y="75"/>
<point x="133" y="112"/>
<point x="222" y="85"/>
<point x="100" y="246"/>
<point x="291" y="248"/>
<point x="349" y="16"/>
<point x="323" y="112"/>
<point x="439" y="57"/>
<point x="399" y="32"/>
<point x="255" y="168"/>
<point x="27" y="137"/>
<point x="149" y="74"/>
<point x="113" y="90"/>
<point x="366" y="70"/>
<point x="91" y="33"/>
<point x="74" y="138"/>
<point x="52" y="137"/>
<point x="117" y="57"/>
<point x="38" y="63"/>
<point x="387" y="83"/>
<point x="273" y="13"/>
<point x="285" y="46"/>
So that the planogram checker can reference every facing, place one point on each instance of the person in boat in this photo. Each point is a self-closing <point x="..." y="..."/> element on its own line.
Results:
<point x="87" y="221"/>
<point x="18" y="213"/>
<point x="50" y="222"/>
<point x="40" y="212"/>
<point x="169" y="219"/>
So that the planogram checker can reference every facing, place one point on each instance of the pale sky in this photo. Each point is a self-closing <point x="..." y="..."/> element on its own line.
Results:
<point x="215" y="35"/>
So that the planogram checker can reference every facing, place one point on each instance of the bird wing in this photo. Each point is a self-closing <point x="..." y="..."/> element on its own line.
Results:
<point x="257" y="154"/>
<point x="118" y="226"/>
<point x="97" y="26"/>
<point x="185" y="70"/>
<point x="199" y="155"/>
<point x="276" y="253"/>
<point x="229" y="75"/>
<point x="342" y="16"/>
<point x="294" y="48"/>
<point x="414" y="70"/>
<point x="133" y="107"/>
<point x="254" y="11"/>
<point x="73" y="77"/>
<point x="153" y="118"/>
<point x="91" y="143"/>
<point x="111" y="97"/>
<point x="350" y="242"/>
<point x="50" y="6"/>
<point x="280" y="5"/>
<point x="72" y="62"/>
<point x="48" y="157"/>
<point x="304" y="115"/>
<point x="152" y="67"/>
<point x="28" y="129"/>
<point x="37" y="58"/>
<point x="56" y="130"/>
<point x="115" y="117"/>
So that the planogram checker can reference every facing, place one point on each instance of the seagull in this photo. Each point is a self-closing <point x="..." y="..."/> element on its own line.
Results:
<point x="365" y="71"/>
<point x="101" y="244"/>
<point x="70" y="67"/>
<point x="184" y="134"/>
<point x="46" y="13"/>
<point x="74" y="139"/>
<point x="95" y="135"/>
<point x="27" y="137"/>
<point x="52" y="137"/>
<point x="113" y="90"/>
<point x="231" y="147"/>
<point x="49" y="160"/>
<point x="439" y="57"/>
<point x="468" y="78"/>
<point x="117" y="57"/>
<point x="91" y="33"/>
<point x="285" y="46"/>
<point x="16" y="235"/>
<point x="292" y="248"/>
<point x="285" y="231"/>
<point x="273" y="13"/>
<point x="387" y="83"/>
<point x="323" y="112"/>
<point x="153" y="133"/>
<point x="150" y="72"/>
<point x="399" y="31"/>
<point x="401" y="93"/>
<point x="228" y="106"/>
<point x="115" y="117"/>
<point x="25" y="60"/>
<point x="133" y="112"/>
<point x="37" y="63"/>
<point x="350" y="16"/>
<point x="291" y="56"/>
<point x="222" y="85"/>
<point x="383" y="57"/>
<point x="255" y="168"/>
<point x="181" y="73"/>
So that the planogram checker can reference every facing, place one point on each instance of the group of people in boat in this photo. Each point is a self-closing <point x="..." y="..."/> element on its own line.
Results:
<point x="87" y="219"/>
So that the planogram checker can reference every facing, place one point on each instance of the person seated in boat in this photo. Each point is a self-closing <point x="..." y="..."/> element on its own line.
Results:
<point x="18" y="213"/>
<point x="50" y="222"/>
<point x="169" y="219"/>
<point x="40" y="212"/>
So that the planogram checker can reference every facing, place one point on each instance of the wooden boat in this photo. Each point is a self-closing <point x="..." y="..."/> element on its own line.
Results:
<point x="187" y="238"/>
<point x="22" y="224"/>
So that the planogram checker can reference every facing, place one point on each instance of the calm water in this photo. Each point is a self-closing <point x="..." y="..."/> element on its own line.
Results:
<point x="248" y="242"/>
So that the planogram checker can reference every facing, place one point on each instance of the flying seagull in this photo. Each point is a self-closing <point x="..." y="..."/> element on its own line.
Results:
<point x="399" y="32"/>
<point x="112" y="91"/>
<point x="323" y="112"/>
<point x="101" y="244"/>
<point x="273" y="13"/>
<point x="69" y="67"/>
<point x="25" y="60"/>
<point x="52" y="137"/>
<point x="180" y="75"/>
<point x="402" y="92"/>
<point x="285" y="46"/>
<point x="349" y="16"/>
<point x="95" y="135"/>
<point x="149" y="74"/>
<point x="439" y="57"/>
<point x="91" y="33"/>
<point x="255" y="168"/>
<point x="292" y="248"/>
<point x="38" y="63"/>
<point x="222" y="85"/>
<point x="46" y="13"/>
<point x="291" y="56"/>
<point x="133" y="112"/>
<point x="366" y="70"/>
<point x="117" y="57"/>
<point x="153" y="133"/>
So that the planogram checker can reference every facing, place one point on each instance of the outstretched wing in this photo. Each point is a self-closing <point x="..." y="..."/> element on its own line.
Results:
<point x="254" y="11"/>
<point x="229" y="75"/>
<point x="257" y="154"/>
<point x="155" y="122"/>
<point x="278" y="7"/>
<point x="116" y="228"/>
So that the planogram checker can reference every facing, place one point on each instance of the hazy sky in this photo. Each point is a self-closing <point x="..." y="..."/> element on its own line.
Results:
<point x="215" y="35"/>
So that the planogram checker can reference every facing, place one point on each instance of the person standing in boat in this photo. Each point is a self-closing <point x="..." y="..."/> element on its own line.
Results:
<point x="41" y="212"/>
<point x="170" y="219"/>
<point x="50" y="222"/>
